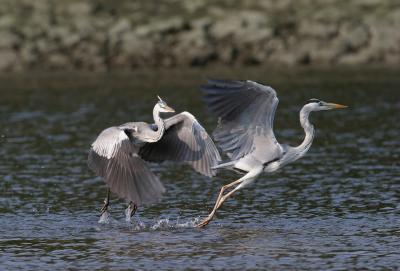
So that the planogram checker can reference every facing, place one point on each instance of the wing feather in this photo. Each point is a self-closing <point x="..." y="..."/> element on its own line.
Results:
<point x="184" y="140"/>
<point x="114" y="157"/>
<point x="245" y="111"/>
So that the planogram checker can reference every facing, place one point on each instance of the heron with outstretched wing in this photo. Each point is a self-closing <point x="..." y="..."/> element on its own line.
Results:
<point x="245" y="111"/>
<point x="119" y="153"/>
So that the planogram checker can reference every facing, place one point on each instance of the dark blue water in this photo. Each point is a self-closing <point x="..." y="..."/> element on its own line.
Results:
<point x="336" y="209"/>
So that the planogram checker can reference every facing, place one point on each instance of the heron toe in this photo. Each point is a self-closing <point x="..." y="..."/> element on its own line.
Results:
<point x="203" y="223"/>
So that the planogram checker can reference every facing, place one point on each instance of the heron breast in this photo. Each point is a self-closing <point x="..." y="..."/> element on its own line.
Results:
<point x="272" y="166"/>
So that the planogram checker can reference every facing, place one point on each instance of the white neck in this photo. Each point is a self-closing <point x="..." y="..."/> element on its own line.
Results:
<point x="160" y="124"/>
<point x="308" y="129"/>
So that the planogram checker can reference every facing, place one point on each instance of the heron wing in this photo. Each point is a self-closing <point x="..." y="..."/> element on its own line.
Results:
<point x="184" y="140"/>
<point x="114" y="157"/>
<point x="246" y="112"/>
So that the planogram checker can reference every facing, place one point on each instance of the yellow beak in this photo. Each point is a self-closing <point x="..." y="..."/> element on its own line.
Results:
<point x="170" y="109"/>
<point x="336" y="106"/>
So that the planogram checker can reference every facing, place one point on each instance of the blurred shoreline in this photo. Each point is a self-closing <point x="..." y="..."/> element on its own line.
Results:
<point x="125" y="35"/>
<point x="158" y="77"/>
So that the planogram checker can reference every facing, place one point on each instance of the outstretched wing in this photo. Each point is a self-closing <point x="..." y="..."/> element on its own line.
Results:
<point x="184" y="140"/>
<point x="114" y="157"/>
<point x="246" y="112"/>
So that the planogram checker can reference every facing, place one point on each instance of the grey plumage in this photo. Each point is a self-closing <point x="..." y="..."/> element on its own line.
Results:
<point x="184" y="140"/>
<point x="114" y="157"/>
<point x="119" y="153"/>
<point x="245" y="111"/>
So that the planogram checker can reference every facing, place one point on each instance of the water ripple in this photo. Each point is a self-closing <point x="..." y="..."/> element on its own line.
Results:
<point x="336" y="209"/>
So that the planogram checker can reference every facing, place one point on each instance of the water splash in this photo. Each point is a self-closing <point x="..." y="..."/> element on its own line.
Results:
<point x="188" y="224"/>
<point x="166" y="223"/>
<point x="135" y="223"/>
<point x="128" y="211"/>
<point x="105" y="218"/>
<point x="140" y="223"/>
<point x="162" y="223"/>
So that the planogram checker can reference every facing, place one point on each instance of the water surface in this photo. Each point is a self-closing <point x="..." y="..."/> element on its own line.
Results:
<point x="337" y="208"/>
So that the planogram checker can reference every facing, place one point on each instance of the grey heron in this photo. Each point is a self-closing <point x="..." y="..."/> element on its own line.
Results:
<point x="245" y="111"/>
<point x="119" y="153"/>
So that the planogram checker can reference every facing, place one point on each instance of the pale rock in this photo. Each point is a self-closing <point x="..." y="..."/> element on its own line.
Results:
<point x="79" y="9"/>
<point x="8" y="40"/>
<point x="8" y="59"/>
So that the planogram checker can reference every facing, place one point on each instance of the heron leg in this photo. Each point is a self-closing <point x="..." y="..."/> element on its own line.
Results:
<point x="223" y="188"/>
<point x="221" y="198"/>
<point x="133" y="208"/>
<point x="106" y="202"/>
<point x="249" y="177"/>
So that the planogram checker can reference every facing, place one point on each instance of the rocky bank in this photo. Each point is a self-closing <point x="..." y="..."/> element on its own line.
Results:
<point x="111" y="35"/>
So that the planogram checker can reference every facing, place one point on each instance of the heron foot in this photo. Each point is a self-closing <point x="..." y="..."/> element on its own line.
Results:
<point x="204" y="222"/>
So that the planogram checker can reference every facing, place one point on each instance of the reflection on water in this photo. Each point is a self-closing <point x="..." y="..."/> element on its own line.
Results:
<point x="337" y="208"/>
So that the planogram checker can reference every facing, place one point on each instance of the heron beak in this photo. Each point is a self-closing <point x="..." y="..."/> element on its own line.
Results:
<point x="335" y="106"/>
<point x="169" y="109"/>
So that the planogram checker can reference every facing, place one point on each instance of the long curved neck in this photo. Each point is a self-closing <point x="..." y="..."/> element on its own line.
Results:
<point x="160" y="124"/>
<point x="308" y="129"/>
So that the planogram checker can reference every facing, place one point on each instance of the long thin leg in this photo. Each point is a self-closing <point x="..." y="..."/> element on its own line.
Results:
<point x="218" y="204"/>
<point x="106" y="202"/>
<point x="221" y="198"/>
<point x="223" y="188"/>
<point x="130" y="211"/>
<point x="132" y="207"/>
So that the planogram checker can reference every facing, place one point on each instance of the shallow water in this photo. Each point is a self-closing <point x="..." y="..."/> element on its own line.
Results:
<point x="337" y="208"/>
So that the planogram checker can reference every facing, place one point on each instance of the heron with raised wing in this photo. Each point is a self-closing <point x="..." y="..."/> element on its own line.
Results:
<point x="119" y="153"/>
<point x="245" y="111"/>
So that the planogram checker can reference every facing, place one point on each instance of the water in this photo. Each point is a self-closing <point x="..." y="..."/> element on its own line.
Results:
<point x="337" y="208"/>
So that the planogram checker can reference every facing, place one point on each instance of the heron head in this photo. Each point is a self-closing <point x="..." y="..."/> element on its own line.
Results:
<point x="317" y="105"/>
<point x="163" y="107"/>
